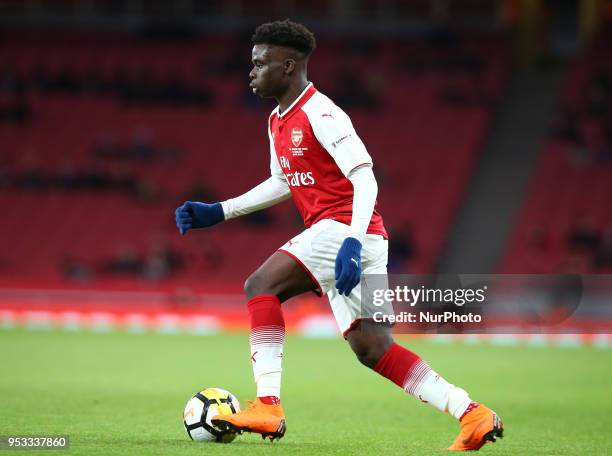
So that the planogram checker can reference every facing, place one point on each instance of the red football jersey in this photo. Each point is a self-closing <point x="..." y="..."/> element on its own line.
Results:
<point x="313" y="144"/>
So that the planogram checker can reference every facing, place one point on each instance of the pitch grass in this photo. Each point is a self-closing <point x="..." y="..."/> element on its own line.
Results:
<point x="123" y="394"/>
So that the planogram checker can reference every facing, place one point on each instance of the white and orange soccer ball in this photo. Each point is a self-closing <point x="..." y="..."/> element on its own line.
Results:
<point x="202" y="408"/>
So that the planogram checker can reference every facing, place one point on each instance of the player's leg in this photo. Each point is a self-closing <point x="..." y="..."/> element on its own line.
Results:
<point x="374" y="346"/>
<point x="279" y="278"/>
<point x="369" y="341"/>
<point x="280" y="275"/>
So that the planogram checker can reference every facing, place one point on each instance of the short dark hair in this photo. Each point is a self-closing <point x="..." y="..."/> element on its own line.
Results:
<point x="286" y="33"/>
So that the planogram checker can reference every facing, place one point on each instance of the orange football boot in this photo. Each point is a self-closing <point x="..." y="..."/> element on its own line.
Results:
<point x="264" y="419"/>
<point x="479" y="426"/>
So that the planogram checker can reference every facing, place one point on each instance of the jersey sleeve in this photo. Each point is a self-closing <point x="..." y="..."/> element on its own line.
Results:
<point x="275" y="169"/>
<point x="334" y="130"/>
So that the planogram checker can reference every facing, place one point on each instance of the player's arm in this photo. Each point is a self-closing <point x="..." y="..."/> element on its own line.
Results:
<point x="192" y="215"/>
<point x="337" y="134"/>
<point x="365" y="190"/>
<point x="348" y="260"/>
<point x="272" y="191"/>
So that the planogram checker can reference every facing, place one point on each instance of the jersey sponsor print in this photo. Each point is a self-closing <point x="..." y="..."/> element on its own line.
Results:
<point x="314" y="146"/>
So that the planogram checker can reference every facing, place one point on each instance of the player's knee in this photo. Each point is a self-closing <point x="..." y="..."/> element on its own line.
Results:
<point x="251" y="285"/>
<point x="369" y="355"/>
<point x="256" y="285"/>
<point x="369" y="348"/>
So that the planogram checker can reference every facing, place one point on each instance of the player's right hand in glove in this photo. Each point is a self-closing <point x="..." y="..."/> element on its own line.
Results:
<point x="192" y="215"/>
<point x="348" y="266"/>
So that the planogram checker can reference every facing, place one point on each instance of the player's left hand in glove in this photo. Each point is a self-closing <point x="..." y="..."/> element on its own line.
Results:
<point x="348" y="266"/>
<point x="193" y="215"/>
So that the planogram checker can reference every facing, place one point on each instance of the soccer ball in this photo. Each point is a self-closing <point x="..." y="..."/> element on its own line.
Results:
<point x="202" y="408"/>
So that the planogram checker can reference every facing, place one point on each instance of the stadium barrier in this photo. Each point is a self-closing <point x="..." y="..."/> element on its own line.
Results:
<point x="209" y="314"/>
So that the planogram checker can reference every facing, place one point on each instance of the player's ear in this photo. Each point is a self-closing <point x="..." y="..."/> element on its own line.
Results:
<point x="289" y="66"/>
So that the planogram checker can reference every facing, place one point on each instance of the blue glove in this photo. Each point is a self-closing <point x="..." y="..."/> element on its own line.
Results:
<point x="198" y="215"/>
<point x="348" y="266"/>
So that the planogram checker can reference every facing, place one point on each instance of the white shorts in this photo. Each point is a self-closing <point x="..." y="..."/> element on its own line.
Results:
<point x="316" y="249"/>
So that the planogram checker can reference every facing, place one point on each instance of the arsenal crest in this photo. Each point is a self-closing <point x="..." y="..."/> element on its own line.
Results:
<point x="296" y="136"/>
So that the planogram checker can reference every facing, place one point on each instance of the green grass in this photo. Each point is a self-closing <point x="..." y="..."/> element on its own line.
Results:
<point x="124" y="394"/>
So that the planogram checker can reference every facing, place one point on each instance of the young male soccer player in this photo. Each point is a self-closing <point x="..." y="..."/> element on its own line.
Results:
<point x="317" y="158"/>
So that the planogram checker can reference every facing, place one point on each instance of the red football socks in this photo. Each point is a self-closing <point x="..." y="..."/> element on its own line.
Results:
<point x="265" y="310"/>
<point x="411" y="373"/>
<point x="396" y="363"/>
<point x="267" y="339"/>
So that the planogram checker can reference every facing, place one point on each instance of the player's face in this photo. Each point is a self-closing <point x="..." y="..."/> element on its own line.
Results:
<point x="268" y="73"/>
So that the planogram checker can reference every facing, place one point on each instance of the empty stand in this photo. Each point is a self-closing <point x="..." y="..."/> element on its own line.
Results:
<point x="424" y="150"/>
<point x="571" y="186"/>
